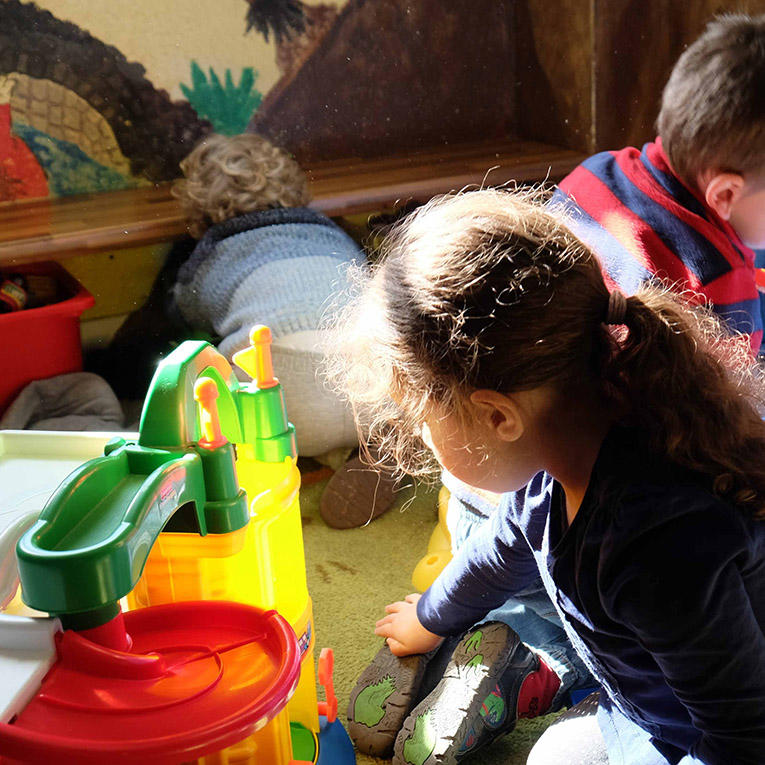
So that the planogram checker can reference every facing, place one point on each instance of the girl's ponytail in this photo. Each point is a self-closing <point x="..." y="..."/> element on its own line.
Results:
<point x="694" y="391"/>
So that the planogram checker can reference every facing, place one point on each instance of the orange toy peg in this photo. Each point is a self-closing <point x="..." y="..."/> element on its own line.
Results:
<point x="256" y="360"/>
<point x="327" y="708"/>
<point x="205" y="394"/>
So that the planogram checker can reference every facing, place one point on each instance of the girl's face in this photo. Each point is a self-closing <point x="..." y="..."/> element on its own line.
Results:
<point x="475" y="455"/>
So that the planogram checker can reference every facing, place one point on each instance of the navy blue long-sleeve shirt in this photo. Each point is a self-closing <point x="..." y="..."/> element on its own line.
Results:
<point x="660" y="586"/>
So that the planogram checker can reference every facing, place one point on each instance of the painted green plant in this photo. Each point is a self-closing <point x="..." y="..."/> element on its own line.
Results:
<point x="227" y="105"/>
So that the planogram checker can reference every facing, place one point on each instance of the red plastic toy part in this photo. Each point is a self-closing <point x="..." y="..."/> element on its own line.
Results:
<point x="200" y="677"/>
<point x="327" y="708"/>
<point x="42" y="342"/>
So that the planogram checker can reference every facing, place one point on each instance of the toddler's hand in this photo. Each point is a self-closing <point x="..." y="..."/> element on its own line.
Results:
<point x="403" y="631"/>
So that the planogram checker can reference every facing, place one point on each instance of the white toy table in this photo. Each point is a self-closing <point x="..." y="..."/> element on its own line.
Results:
<point x="32" y="465"/>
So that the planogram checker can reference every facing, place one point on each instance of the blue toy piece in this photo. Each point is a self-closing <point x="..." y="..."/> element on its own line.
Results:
<point x="335" y="748"/>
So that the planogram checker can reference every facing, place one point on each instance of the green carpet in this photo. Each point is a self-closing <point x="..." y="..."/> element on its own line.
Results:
<point x="353" y="574"/>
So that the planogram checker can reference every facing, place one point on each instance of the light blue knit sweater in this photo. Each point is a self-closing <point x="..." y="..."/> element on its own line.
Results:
<point x="283" y="268"/>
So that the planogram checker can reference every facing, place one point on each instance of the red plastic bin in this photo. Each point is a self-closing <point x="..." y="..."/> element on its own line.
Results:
<point x="41" y="342"/>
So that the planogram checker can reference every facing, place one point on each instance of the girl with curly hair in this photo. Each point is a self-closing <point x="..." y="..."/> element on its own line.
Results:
<point x="624" y="435"/>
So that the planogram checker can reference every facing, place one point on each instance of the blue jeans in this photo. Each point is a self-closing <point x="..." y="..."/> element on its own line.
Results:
<point x="530" y="613"/>
<point x="595" y="731"/>
<point x="626" y="742"/>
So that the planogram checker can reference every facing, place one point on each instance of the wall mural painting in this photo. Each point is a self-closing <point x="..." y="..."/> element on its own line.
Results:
<point x="79" y="113"/>
<point x="227" y="106"/>
<point x="76" y="116"/>
<point x="395" y="76"/>
<point x="20" y="173"/>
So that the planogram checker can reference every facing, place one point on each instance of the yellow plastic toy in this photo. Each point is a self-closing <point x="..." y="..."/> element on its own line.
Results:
<point x="439" y="548"/>
<point x="263" y="563"/>
<point x="165" y="520"/>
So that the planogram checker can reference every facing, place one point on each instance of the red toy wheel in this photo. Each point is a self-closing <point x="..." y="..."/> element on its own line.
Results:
<point x="198" y="678"/>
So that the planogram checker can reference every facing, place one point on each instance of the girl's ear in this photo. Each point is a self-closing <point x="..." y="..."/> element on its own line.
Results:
<point x="500" y="413"/>
<point x="722" y="191"/>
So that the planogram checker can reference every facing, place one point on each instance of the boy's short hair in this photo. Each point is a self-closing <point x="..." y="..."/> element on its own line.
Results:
<point x="713" y="108"/>
<point x="226" y="176"/>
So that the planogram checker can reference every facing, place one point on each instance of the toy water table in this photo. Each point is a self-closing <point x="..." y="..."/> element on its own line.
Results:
<point x="163" y="521"/>
<point x="166" y="684"/>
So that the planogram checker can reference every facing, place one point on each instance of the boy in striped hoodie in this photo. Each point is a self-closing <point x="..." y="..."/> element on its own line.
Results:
<point x="689" y="208"/>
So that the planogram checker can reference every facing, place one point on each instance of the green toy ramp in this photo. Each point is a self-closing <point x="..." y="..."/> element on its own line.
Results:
<point x="90" y="544"/>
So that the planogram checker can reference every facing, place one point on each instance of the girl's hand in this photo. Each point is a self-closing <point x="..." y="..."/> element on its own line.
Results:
<point x="402" y="629"/>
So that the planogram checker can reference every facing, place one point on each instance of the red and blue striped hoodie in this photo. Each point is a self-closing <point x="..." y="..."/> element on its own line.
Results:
<point x="643" y="223"/>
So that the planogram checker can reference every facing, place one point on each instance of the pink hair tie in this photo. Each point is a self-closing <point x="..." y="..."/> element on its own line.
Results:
<point x="617" y="308"/>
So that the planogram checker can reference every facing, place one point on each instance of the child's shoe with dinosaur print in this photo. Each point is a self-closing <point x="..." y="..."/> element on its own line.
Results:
<point x="382" y="698"/>
<point x="491" y="680"/>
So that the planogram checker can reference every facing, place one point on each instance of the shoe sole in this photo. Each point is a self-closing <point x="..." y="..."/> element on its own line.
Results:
<point x="356" y="495"/>
<point x="381" y="700"/>
<point x="472" y="673"/>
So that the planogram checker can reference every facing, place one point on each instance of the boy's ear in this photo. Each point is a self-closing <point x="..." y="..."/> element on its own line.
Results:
<point x="722" y="192"/>
<point x="498" y="412"/>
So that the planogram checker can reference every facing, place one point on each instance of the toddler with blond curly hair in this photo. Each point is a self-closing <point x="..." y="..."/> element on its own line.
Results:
<point x="264" y="257"/>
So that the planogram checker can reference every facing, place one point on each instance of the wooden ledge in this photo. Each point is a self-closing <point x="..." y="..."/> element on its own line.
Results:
<point x="365" y="185"/>
<point x="58" y="228"/>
